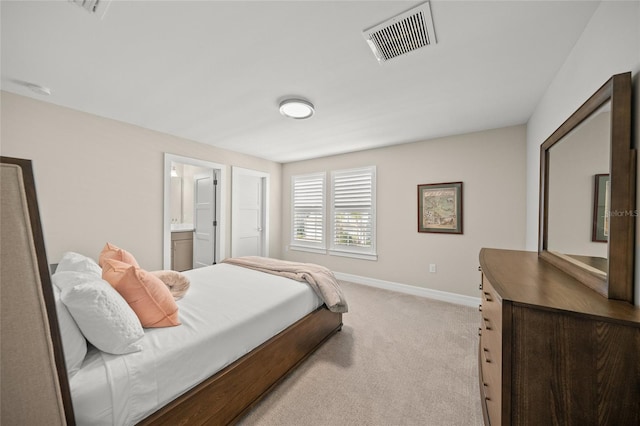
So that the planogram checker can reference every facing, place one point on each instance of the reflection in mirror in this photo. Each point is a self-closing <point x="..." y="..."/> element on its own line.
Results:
<point x="573" y="163"/>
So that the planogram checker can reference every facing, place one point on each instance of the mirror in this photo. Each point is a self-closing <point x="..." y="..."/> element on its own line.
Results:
<point x="583" y="154"/>
<point x="587" y="193"/>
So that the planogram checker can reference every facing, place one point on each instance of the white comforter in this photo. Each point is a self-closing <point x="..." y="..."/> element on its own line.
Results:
<point x="227" y="312"/>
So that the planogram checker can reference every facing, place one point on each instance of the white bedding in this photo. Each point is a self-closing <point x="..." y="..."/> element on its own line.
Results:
<point x="227" y="312"/>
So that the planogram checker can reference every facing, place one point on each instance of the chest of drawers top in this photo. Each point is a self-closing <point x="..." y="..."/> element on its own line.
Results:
<point x="521" y="277"/>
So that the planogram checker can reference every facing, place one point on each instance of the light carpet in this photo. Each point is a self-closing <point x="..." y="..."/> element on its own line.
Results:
<point x="399" y="360"/>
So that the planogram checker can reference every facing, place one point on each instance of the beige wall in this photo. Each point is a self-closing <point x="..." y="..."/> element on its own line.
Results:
<point x="101" y="180"/>
<point x="492" y="166"/>
<point x="610" y="44"/>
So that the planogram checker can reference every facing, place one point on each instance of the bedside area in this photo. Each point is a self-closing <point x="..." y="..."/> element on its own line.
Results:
<point x="182" y="246"/>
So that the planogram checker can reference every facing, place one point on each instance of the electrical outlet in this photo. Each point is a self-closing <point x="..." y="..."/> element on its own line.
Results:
<point x="432" y="268"/>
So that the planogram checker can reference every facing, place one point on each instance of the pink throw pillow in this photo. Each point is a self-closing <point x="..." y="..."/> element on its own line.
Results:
<point x="113" y="252"/>
<point x="147" y="295"/>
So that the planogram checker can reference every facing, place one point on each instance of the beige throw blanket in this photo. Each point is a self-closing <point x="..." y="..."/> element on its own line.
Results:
<point x="321" y="279"/>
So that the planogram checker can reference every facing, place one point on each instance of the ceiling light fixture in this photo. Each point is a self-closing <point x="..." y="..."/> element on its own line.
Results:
<point x="296" y="108"/>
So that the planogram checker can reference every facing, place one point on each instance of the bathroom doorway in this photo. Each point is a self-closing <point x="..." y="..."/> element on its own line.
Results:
<point x="194" y="222"/>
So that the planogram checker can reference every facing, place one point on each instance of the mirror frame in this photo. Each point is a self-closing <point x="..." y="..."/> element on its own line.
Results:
<point x="618" y="282"/>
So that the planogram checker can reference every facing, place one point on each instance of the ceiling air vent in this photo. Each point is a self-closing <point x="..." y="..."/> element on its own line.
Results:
<point x="99" y="7"/>
<point x="402" y="34"/>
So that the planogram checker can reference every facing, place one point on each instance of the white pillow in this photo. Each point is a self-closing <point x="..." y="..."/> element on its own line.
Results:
<point x="104" y="317"/>
<point x="68" y="279"/>
<point x="78" y="263"/>
<point x="74" y="344"/>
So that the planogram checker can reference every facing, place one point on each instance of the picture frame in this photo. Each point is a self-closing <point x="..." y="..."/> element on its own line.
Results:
<point x="601" y="196"/>
<point x="440" y="208"/>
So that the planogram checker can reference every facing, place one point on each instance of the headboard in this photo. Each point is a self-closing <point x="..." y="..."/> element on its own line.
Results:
<point x="35" y="388"/>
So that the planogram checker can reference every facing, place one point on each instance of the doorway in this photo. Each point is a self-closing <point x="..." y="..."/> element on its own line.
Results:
<point x="204" y="217"/>
<point x="194" y="195"/>
<point x="249" y="213"/>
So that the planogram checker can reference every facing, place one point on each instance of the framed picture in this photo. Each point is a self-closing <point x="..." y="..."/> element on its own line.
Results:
<point x="440" y="208"/>
<point x="600" y="230"/>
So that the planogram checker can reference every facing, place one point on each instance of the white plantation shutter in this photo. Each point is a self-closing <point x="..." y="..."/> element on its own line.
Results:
<point x="353" y="211"/>
<point x="308" y="210"/>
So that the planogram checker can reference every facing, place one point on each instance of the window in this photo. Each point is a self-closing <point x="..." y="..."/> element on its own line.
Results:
<point x="353" y="216"/>
<point x="308" y="212"/>
<point x="351" y="213"/>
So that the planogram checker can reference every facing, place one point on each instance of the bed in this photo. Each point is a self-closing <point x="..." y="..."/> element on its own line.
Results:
<point x="238" y="348"/>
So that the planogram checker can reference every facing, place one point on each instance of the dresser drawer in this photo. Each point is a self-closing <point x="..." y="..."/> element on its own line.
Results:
<point x="493" y="407"/>
<point x="492" y="341"/>
<point x="491" y="307"/>
<point x="490" y="366"/>
<point x="490" y="349"/>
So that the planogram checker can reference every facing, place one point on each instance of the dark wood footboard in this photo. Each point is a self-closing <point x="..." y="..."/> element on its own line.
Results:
<point x="226" y="396"/>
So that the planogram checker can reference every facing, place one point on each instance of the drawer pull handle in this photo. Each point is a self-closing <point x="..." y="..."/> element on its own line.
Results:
<point x="480" y="286"/>
<point x="479" y="331"/>
<point x="487" y="359"/>
<point x="487" y="296"/>
<point x="486" y="388"/>
<point x="487" y="324"/>
<point x="480" y="307"/>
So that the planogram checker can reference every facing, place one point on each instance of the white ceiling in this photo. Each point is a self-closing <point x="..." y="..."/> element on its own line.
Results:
<point x="215" y="72"/>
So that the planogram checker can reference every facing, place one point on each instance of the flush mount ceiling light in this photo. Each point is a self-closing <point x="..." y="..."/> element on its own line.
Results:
<point x="296" y="108"/>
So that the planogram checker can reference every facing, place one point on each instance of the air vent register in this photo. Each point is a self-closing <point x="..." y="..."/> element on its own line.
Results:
<point x="402" y="34"/>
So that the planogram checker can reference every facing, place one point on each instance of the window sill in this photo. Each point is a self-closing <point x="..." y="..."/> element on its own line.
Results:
<point x="308" y="249"/>
<point x="363" y="256"/>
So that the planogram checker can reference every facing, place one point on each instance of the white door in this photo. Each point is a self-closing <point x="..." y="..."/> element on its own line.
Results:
<point x="249" y="233"/>
<point x="204" y="219"/>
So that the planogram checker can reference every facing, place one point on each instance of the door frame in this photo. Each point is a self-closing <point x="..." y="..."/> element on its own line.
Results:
<point x="220" y="209"/>
<point x="265" y="177"/>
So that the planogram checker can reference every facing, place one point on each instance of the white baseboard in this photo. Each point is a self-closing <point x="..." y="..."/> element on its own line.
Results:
<point x="445" y="296"/>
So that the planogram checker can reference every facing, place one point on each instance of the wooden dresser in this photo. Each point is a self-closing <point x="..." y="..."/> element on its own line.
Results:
<point x="552" y="351"/>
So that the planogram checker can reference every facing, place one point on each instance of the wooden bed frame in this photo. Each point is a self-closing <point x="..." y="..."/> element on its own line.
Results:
<point x="221" y="399"/>
<point x="226" y="396"/>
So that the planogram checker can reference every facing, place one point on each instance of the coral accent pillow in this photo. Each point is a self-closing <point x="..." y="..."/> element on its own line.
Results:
<point x="147" y="295"/>
<point x="113" y="252"/>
